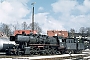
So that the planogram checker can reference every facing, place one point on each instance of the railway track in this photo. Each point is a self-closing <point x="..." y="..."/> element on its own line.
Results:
<point x="50" y="57"/>
<point x="85" y="56"/>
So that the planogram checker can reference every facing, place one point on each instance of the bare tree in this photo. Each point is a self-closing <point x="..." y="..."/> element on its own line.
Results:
<point x="24" y="25"/>
<point x="16" y="26"/>
<point x="82" y="30"/>
<point x="72" y="31"/>
<point x="0" y="26"/>
<point x="88" y="30"/>
<point x="6" y="29"/>
<point x="36" y="27"/>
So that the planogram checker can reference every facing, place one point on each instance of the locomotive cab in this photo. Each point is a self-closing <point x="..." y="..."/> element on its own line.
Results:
<point x="62" y="42"/>
<point x="71" y="45"/>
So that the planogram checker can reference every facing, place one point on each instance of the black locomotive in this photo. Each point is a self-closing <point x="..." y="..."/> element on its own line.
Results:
<point x="37" y="44"/>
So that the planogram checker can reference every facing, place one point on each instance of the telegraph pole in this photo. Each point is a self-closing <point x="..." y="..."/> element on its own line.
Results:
<point x="32" y="16"/>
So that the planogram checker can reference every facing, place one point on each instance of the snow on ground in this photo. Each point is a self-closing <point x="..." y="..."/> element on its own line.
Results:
<point x="40" y="57"/>
<point x="12" y="59"/>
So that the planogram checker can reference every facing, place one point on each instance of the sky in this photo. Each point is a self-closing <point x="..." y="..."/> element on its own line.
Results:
<point x="49" y="14"/>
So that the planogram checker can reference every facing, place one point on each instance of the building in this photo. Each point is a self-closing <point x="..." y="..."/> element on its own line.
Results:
<point x="59" y="33"/>
<point x="24" y="31"/>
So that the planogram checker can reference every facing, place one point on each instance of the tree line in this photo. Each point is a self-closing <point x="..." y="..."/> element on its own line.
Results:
<point x="9" y="29"/>
<point x="82" y="31"/>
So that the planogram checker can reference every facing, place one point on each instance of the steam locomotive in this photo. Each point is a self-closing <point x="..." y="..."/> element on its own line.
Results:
<point x="37" y="44"/>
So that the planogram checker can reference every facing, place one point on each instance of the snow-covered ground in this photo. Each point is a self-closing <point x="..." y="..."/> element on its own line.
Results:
<point x="40" y="57"/>
<point x="12" y="59"/>
<point x="87" y="51"/>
